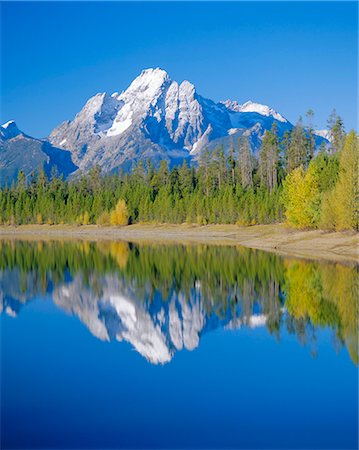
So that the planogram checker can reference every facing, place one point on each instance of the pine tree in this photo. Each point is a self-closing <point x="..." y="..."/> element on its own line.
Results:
<point x="269" y="159"/>
<point x="310" y="137"/>
<point x="336" y="131"/>
<point x="297" y="148"/>
<point x="245" y="163"/>
<point x="232" y="163"/>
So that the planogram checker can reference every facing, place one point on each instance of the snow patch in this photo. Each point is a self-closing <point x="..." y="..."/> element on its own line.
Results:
<point x="250" y="106"/>
<point x="118" y="127"/>
<point x="323" y="133"/>
<point x="7" y="124"/>
<point x="202" y="141"/>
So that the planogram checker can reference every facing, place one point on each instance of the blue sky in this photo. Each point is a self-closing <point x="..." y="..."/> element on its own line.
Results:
<point x="291" y="56"/>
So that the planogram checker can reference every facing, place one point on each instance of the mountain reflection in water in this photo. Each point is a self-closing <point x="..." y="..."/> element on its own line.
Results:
<point x="163" y="298"/>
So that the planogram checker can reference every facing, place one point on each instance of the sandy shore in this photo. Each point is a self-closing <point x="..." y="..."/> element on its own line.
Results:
<point x="341" y="247"/>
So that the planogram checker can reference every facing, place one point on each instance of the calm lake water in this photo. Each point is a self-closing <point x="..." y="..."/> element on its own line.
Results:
<point x="117" y="345"/>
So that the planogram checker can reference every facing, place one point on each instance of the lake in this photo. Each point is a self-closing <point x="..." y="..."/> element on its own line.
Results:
<point x="127" y="345"/>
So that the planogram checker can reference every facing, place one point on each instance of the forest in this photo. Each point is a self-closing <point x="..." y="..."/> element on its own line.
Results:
<point x="288" y="181"/>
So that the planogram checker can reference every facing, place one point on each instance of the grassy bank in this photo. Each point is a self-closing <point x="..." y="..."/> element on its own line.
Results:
<point x="340" y="247"/>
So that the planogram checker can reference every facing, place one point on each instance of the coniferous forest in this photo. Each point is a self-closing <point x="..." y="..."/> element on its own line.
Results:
<point x="289" y="180"/>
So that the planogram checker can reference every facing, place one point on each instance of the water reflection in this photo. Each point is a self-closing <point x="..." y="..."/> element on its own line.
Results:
<point x="164" y="298"/>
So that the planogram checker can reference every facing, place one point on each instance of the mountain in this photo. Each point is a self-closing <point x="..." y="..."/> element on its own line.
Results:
<point x="20" y="151"/>
<point x="158" y="118"/>
<point x="324" y="134"/>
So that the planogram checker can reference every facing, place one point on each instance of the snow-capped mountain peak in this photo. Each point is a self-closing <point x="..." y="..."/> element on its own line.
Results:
<point x="8" y="124"/>
<point x="143" y="97"/>
<point x="250" y="106"/>
<point x="147" y="87"/>
<point x="158" y="118"/>
<point x="9" y="130"/>
<point x="149" y="79"/>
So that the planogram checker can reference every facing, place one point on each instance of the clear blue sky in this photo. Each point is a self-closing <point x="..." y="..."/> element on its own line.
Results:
<point x="291" y="56"/>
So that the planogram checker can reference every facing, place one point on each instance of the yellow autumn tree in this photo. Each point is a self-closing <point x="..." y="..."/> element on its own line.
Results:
<point x="328" y="213"/>
<point x="346" y="191"/>
<point x="86" y="218"/>
<point x="119" y="215"/>
<point x="301" y="198"/>
<point x="340" y="206"/>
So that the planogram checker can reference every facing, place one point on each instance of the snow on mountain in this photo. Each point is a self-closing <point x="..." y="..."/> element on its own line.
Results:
<point x="250" y="106"/>
<point x="8" y="124"/>
<point x="324" y="134"/>
<point x="9" y="130"/>
<point x="158" y="118"/>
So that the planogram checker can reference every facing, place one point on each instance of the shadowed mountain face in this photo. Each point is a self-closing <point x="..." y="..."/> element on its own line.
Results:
<point x="21" y="152"/>
<point x="155" y="118"/>
<point x="163" y="298"/>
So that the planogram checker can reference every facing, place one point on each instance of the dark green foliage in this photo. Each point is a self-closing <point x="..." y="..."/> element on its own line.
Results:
<point x="219" y="191"/>
<point x="229" y="186"/>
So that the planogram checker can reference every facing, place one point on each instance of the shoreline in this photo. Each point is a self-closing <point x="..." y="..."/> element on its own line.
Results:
<point x="315" y="244"/>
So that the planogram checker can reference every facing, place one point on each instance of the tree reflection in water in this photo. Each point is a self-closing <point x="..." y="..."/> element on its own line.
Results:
<point x="163" y="297"/>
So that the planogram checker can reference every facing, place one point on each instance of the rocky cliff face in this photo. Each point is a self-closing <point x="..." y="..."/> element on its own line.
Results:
<point x="157" y="118"/>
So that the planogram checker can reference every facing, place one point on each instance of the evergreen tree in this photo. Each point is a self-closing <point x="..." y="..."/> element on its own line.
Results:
<point x="336" y="131"/>
<point x="310" y="136"/>
<point x="296" y="151"/>
<point x="269" y="159"/>
<point x="245" y="163"/>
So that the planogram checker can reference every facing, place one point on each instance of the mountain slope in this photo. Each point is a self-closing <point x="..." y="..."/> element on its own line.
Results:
<point x="21" y="152"/>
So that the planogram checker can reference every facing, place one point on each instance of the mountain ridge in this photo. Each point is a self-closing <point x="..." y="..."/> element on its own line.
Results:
<point x="155" y="118"/>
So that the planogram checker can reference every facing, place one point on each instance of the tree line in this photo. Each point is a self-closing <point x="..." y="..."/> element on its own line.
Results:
<point x="288" y="180"/>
